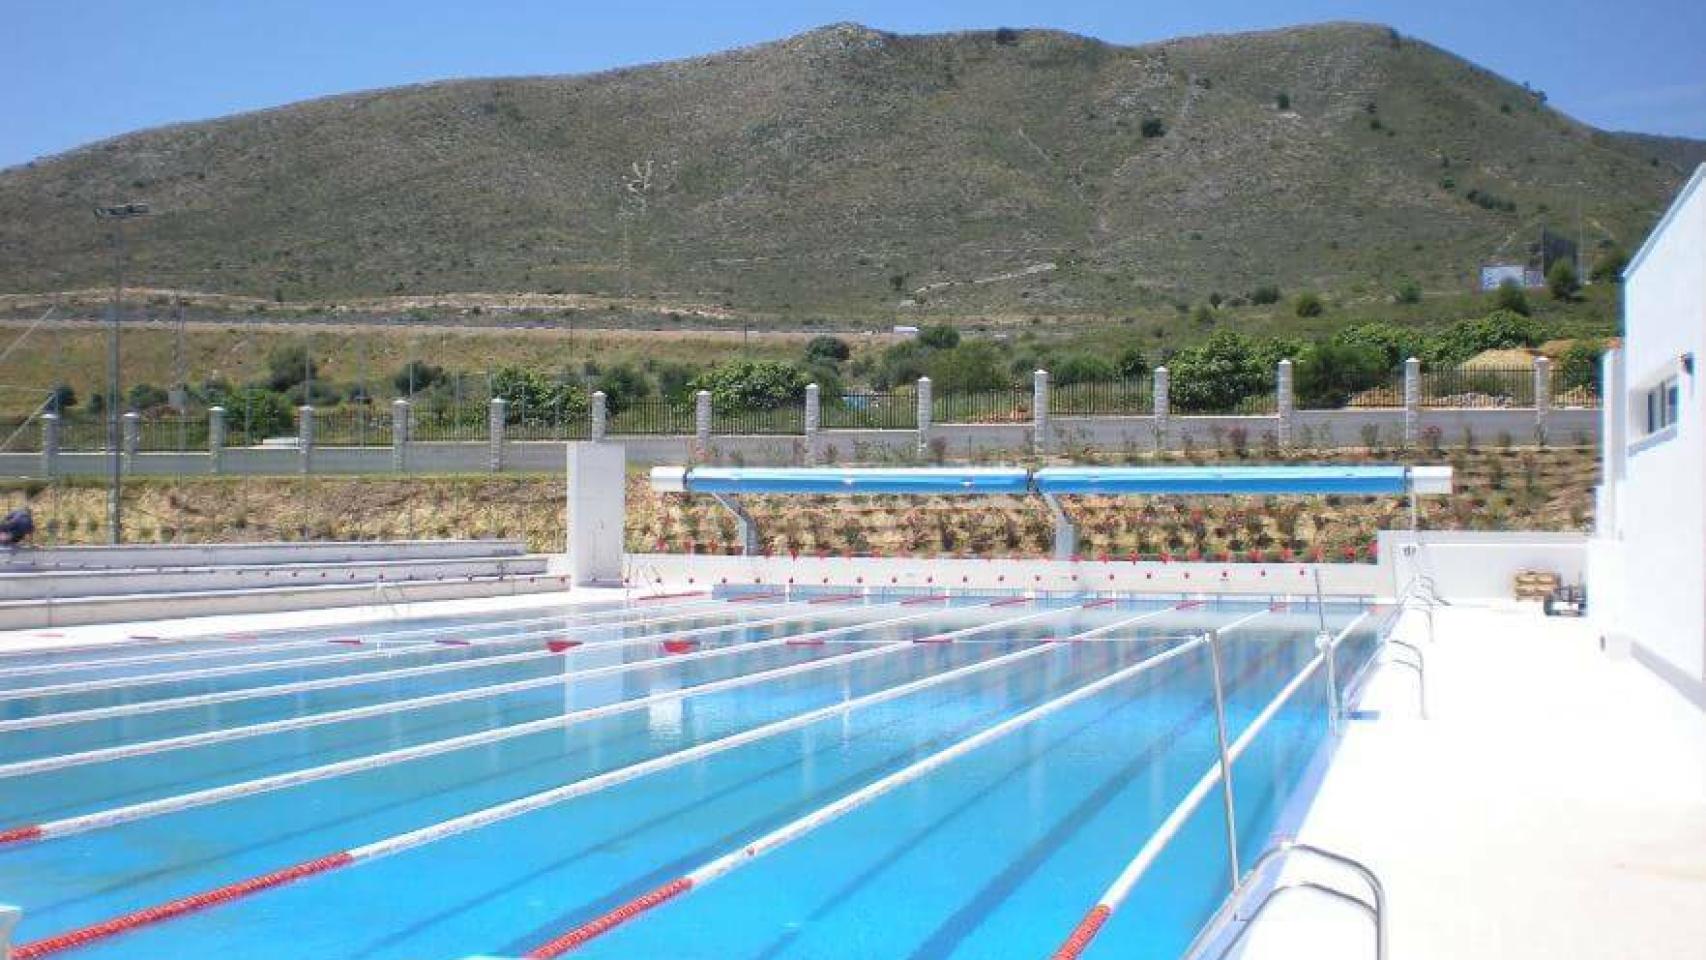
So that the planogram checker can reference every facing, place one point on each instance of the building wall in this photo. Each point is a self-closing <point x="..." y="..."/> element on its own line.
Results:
<point x="1651" y="568"/>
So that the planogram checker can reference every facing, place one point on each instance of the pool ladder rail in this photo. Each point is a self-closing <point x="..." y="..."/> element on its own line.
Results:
<point x="1259" y="889"/>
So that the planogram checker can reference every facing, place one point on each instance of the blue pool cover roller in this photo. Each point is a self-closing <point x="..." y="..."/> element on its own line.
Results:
<point x="1294" y="480"/>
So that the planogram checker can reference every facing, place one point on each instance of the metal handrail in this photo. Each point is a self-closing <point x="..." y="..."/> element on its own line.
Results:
<point x="1205" y="945"/>
<point x="1417" y="666"/>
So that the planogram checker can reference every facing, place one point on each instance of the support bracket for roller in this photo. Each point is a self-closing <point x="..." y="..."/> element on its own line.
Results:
<point x="748" y="526"/>
<point x="1065" y="531"/>
<point x="9" y="917"/>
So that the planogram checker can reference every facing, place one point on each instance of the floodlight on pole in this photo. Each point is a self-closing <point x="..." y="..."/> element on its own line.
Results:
<point x="117" y="214"/>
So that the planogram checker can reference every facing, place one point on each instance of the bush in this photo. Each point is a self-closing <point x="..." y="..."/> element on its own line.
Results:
<point x="1562" y="281"/>
<point x="1329" y="374"/>
<point x="1282" y="101"/>
<point x="1084" y="368"/>
<point x="259" y="412"/>
<point x="1265" y="294"/>
<point x="1153" y="127"/>
<point x="623" y="386"/>
<point x="972" y="366"/>
<point x="1579" y="367"/>
<point x="1006" y="36"/>
<point x="1511" y="297"/>
<point x="146" y="396"/>
<point x="533" y="399"/>
<point x="1610" y="265"/>
<point x="675" y="380"/>
<point x="900" y="364"/>
<point x="289" y="366"/>
<point x="1217" y="374"/>
<point x="1499" y="330"/>
<point x="1395" y="343"/>
<point x="1132" y="363"/>
<point x="1409" y="291"/>
<point x="1309" y="305"/>
<point x="940" y="336"/>
<point x="753" y="385"/>
<point x="827" y="349"/>
<point x="416" y="376"/>
<point x="61" y="397"/>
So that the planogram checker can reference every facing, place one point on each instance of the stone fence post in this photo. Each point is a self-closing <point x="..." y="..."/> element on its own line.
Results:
<point x="600" y="416"/>
<point x="1412" y="401"/>
<point x="497" y="419"/>
<point x="1542" y="397"/>
<point x="400" y="429"/>
<point x="926" y="413"/>
<point x="1284" y="402"/>
<point x="1163" y="408"/>
<point x="1039" y="413"/>
<point x="702" y="425"/>
<point x="215" y="439"/>
<point x="49" y="445"/>
<point x="305" y="438"/>
<point x="814" y="399"/>
<point x="131" y="441"/>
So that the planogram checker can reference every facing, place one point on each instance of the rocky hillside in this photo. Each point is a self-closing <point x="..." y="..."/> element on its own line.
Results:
<point x="848" y="170"/>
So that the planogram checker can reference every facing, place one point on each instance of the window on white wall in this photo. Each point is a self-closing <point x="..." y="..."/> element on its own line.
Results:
<point x="1662" y="404"/>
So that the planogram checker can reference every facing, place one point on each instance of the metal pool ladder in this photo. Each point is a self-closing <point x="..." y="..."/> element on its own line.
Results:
<point x="1254" y="893"/>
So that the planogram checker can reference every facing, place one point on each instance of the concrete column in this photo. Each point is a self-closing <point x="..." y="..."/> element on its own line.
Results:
<point x="497" y="417"/>
<point x="215" y="439"/>
<point x="1542" y="396"/>
<point x="1163" y="408"/>
<point x="305" y="437"/>
<point x="49" y="445"/>
<point x="926" y="413"/>
<point x="1284" y="402"/>
<point x="1412" y="401"/>
<point x="400" y="435"/>
<point x="132" y="437"/>
<point x="600" y="417"/>
<point x="597" y="509"/>
<point x="814" y="398"/>
<point x="1039" y="413"/>
<point x="702" y="424"/>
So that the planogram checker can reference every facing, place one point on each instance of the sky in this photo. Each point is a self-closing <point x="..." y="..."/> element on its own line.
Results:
<point x="76" y="71"/>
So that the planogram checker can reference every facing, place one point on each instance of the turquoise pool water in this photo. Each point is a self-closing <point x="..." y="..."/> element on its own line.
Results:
<point x="997" y="854"/>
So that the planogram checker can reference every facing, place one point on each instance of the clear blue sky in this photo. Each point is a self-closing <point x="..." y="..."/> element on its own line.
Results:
<point x="81" y="70"/>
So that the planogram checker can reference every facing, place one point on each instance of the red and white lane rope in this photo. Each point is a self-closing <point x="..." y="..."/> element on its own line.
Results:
<point x="389" y="707"/>
<point x="527" y="804"/>
<point x="720" y="866"/>
<point x="563" y="620"/>
<point x="556" y="643"/>
<point x="1117" y="892"/>
<point x="152" y="808"/>
<point x="395" y="652"/>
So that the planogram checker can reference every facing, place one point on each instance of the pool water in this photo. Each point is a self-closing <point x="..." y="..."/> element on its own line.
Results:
<point x="996" y="854"/>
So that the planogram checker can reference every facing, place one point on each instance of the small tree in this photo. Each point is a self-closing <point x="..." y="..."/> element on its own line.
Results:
<point x="1309" y="305"/>
<point x="1265" y="294"/>
<point x="1609" y="267"/>
<point x="972" y="366"/>
<point x="61" y="397"/>
<point x="940" y="336"/>
<point x="753" y="385"/>
<point x="1153" y="127"/>
<point x="1329" y="374"/>
<point x="1562" y="281"/>
<point x="1409" y="291"/>
<point x="1510" y="296"/>
<point x="1132" y="363"/>
<point x="623" y="385"/>
<point x="416" y="376"/>
<point x="1283" y="101"/>
<point x="1083" y="368"/>
<point x="1579" y="367"/>
<point x="289" y="366"/>
<point x="827" y="349"/>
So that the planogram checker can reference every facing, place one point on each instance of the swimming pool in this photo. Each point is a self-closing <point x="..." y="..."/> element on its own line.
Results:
<point x="483" y="785"/>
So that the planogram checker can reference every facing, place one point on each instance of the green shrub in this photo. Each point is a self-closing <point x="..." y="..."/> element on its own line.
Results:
<point x="623" y="386"/>
<point x="146" y="396"/>
<point x="1562" y="281"/>
<point x="1083" y="368"/>
<point x="1309" y="304"/>
<point x="259" y="412"/>
<point x="534" y="399"/>
<point x="1282" y="101"/>
<point x="1132" y="363"/>
<point x="830" y="349"/>
<point x="1395" y="343"/>
<point x="289" y="366"/>
<point x="901" y="364"/>
<point x="972" y="366"/>
<point x="753" y="385"/>
<point x="1265" y="294"/>
<point x="1153" y="127"/>
<point x="940" y="336"/>
<point x="416" y="376"/>
<point x="1510" y="296"/>
<point x="1329" y="374"/>
<point x="1217" y="374"/>
<point x="1579" y="367"/>
<point x="1610" y="265"/>
<point x="1499" y="330"/>
<point x="1409" y="291"/>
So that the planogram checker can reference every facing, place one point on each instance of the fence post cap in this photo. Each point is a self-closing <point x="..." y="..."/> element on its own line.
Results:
<point x="1161" y="369"/>
<point x="813" y="386"/>
<point x="306" y="408"/>
<point x="1285" y="361"/>
<point x="703" y="393"/>
<point x="50" y="415"/>
<point x="132" y="415"/>
<point x="598" y="393"/>
<point x="399" y="402"/>
<point x="1412" y="360"/>
<point x="1040" y="372"/>
<point x="923" y="379"/>
<point x="216" y="408"/>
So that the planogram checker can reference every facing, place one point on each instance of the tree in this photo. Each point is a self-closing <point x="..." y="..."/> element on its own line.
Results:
<point x="146" y="396"/>
<point x="1394" y="343"/>
<point x="416" y="376"/>
<point x="61" y="397"/>
<point x="940" y="336"/>
<point x="289" y="366"/>
<point x="1510" y="296"/>
<point x="1562" y="281"/>
<point x="1083" y="368"/>
<point x="1579" y="367"/>
<point x="1610" y="265"/>
<point x="1499" y="330"/>
<point x="1409" y="291"/>
<point x="1265" y="294"/>
<point x="1006" y="36"/>
<point x="1329" y="374"/>
<point x="972" y="366"/>
<point x="675" y="380"/>
<point x="1132" y="363"/>
<point x="623" y="385"/>
<point x="1217" y="374"/>
<point x="902" y="363"/>
<point x="1309" y="304"/>
<point x="753" y="385"/>
<point x="1283" y="100"/>
<point x="533" y="399"/>
<point x="1153" y="127"/>
<point x="259" y="413"/>
<point x="827" y="349"/>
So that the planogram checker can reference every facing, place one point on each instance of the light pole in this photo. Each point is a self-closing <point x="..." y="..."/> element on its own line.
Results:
<point x="117" y="214"/>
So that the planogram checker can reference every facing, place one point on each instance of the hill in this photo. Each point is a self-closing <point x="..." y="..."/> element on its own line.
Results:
<point x="848" y="171"/>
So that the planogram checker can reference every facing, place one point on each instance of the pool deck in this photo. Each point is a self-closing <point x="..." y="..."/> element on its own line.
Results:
<point x="1554" y="804"/>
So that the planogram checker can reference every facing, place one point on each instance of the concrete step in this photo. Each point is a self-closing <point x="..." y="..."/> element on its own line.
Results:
<point x="232" y="554"/>
<point x="57" y="584"/>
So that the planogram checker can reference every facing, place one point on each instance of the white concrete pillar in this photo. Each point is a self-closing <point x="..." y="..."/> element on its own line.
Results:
<point x="1284" y="402"/>
<point x="305" y="438"/>
<point x="926" y="414"/>
<point x="131" y="437"/>
<point x="215" y="439"/>
<point x="1412" y="401"/>
<point x="600" y="417"/>
<point x="702" y="424"/>
<point x="1039" y="413"/>
<point x="1542" y="396"/>
<point x="497" y="417"/>
<point x="814" y="399"/>
<point x="1163" y="408"/>
<point x="597" y="512"/>
<point x="49" y="445"/>
<point x="400" y="438"/>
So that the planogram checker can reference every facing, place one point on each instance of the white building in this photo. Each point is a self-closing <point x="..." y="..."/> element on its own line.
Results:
<point x="1647" y="562"/>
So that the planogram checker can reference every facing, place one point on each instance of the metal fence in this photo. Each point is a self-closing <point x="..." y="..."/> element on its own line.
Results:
<point x="870" y="411"/>
<point x="786" y="420"/>
<point x="652" y="417"/>
<point x="1132" y="397"/>
<point x="990" y="406"/>
<point x="1478" y="388"/>
<point x="1387" y="394"/>
<point x="355" y="426"/>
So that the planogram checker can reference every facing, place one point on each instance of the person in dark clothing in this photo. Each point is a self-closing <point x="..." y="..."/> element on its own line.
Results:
<point x="17" y="527"/>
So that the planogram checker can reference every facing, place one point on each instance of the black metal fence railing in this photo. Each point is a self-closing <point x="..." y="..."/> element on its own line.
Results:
<point x="1388" y="393"/>
<point x="990" y="406"/>
<point x="1479" y="387"/>
<point x="1576" y="388"/>
<point x="652" y="417"/>
<point x="1132" y="397"/>
<point x="870" y="411"/>
<point x="356" y="426"/>
<point x="790" y="419"/>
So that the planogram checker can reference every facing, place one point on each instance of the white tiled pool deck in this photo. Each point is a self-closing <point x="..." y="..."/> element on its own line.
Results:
<point x="1554" y="804"/>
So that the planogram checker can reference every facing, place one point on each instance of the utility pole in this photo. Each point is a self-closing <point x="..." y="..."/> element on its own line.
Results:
<point x="117" y="214"/>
